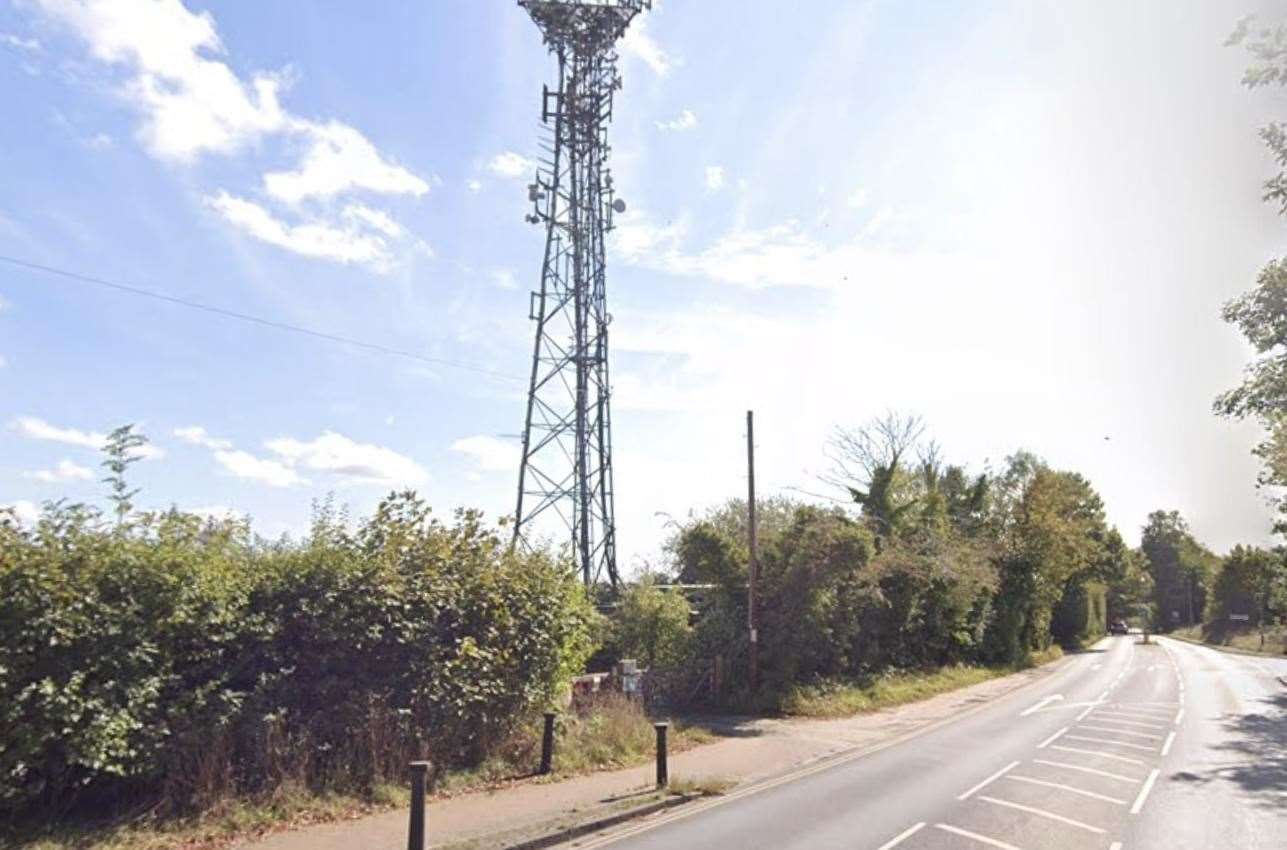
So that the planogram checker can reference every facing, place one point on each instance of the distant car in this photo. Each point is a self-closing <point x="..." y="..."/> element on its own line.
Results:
<point x="1118" y="627"/>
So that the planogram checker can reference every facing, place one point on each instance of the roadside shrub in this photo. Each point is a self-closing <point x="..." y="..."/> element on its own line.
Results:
<point x="178" y="659"/>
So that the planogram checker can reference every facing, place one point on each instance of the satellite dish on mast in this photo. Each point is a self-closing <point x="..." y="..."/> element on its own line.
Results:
<point x="619" y="206"/>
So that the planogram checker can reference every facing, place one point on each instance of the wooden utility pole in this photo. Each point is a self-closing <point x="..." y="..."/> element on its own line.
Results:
<point x="753" y="568"/>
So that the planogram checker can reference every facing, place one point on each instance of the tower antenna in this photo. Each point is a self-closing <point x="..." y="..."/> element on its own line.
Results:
<point x="566" y="469"/>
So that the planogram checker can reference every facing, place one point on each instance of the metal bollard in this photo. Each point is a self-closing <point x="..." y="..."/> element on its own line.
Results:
<point x="547" y="743"/>
<point x="416" y="833"/>
<point x="663" y="778"/>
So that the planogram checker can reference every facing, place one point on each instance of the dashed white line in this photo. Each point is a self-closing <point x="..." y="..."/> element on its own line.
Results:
<point x="902" y="836"/>
<point x="993" y="778"/>
<point x="1143" y="795"/>
<point x="1032" y="810"/>
<point x="1089" y="739"/>
<point x="974" y="836"/>
<point x="1170" y="739"/>
<point x="1100" y="753"/>
<point x="1116" y="845"/>
<point x="1179" y="715"/>
<point x="1069" y="788"/>
<point x="1146" y="736"/>
<point x="1051" y="739"/>
<point x="1092" y="770"/>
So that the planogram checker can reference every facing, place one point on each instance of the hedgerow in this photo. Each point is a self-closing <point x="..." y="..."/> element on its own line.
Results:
<point x="170" y="660"/>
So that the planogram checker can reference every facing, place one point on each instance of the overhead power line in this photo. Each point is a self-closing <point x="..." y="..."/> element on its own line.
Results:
<point x="256" y="320"/>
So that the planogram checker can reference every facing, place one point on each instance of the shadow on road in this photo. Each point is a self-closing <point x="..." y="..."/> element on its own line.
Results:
<point x="1258" y="744"/>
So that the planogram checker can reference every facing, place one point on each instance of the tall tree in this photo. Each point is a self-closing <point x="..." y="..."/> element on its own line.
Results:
<point x="1180" y="567"/>
<point x="1261" y="314"/>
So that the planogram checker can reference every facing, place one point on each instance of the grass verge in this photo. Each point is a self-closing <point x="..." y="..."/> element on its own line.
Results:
<point x="1247" y="639"/>
<point x="609" y="733"/>
<point x="839" y="698"/>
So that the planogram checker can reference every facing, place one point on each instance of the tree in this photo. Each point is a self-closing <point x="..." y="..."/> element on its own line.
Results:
<point x="870" y="463"/>
<point x="1180" y="568"/>
<point x="121" y="450"/>
<point x="1261" y="314"/>
<point x="652" y="625"/>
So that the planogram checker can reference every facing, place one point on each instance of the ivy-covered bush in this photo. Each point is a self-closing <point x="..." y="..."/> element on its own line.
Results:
<point x="179" y="658"/>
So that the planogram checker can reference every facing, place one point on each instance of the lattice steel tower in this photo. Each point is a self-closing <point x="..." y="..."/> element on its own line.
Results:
<point x="567" y="442"/>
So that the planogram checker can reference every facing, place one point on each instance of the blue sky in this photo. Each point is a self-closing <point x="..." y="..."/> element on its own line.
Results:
<point x="1017" y="219"/>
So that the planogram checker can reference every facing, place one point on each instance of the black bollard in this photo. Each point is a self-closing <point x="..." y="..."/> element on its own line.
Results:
<point x="416" y="833"/>
<point x="547" y="743"/>
<point x="663" y="777"/>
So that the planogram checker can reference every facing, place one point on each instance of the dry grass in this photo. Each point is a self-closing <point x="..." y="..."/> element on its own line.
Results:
<point x="611" y="732"/>
<point x="706" y="786"/>
<point x="842" y="699"/>
<point x="1241" y="637"/>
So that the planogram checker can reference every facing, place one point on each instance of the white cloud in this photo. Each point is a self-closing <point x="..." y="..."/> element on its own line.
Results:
<point x="715" y="177"/>
<point x="194" y="104"/>
<point x="66" y="470"/>
<point x="857" y="199"/>
<point x="197" y="436"/>
<point x="505" y="278"/>
<point x="99" y="141"/>
<point x="361" y="235"/>
<point x="340" y="159"/>
<point x="27" y="513"/>
<point x="35" y="428"/>
<point x="354" y="462"/>
<point x="218" y="513"/>
<point x="4" y="305"/>
<point x="19" y="43"/>
<point x="687" y="120"/>
<point x="242" y="464"/>
<point x="511" y="165"/>
<point x="491" y="454"/>
<point x="475" y="185"/>
<point x="639" y="44"/>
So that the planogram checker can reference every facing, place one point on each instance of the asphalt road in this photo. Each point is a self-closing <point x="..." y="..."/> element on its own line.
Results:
<point x="1166" y="746"/>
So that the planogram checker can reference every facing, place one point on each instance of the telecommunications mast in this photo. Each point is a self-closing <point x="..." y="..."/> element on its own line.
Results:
<point x="566" y="469"/>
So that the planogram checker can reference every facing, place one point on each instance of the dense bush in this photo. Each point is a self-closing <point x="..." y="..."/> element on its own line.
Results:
<point x="167" y="657"/>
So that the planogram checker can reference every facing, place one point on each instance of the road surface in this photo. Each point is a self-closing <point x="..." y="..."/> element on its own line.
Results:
<point x="1165" y="746"/>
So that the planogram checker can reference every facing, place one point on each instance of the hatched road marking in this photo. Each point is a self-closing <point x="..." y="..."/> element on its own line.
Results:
<point x="1032" y="810"/>
<point x="902" y="836"/>
<point x="974" y="836"/>
<point x="993" y="778"/>
<point x="1069" y="788"/>
<point x="1091" y="770"/>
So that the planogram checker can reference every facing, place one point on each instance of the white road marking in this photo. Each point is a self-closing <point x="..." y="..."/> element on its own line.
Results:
<point x="902" y="836"/>
<point x="1143" y="795"/>
<point x="974" y="836"/>
<point x="1100" y="753"/>
<point x="1093" y="770"/>
<point x="1042" y="813"/>
<point x="1042" y="704"/>
<point x="993" y="778"/>
<point x="1069" y="788"/>
<point x="1179" y="715"/>
<point x="1170" y="739"/>
<point x="1096" y="666"/>
<point x="1146" y="736"/>
<point x="1089" y="739"/>
<point x="1051" y="739"/>
<point x="1109" y="717"/>
<point x="1116" y="845"/>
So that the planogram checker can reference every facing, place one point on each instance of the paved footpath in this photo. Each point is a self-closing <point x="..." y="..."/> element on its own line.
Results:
<point x="751" y="751"/>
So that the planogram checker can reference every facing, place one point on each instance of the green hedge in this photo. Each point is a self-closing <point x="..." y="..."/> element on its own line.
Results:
<point x="179" y="659"/>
